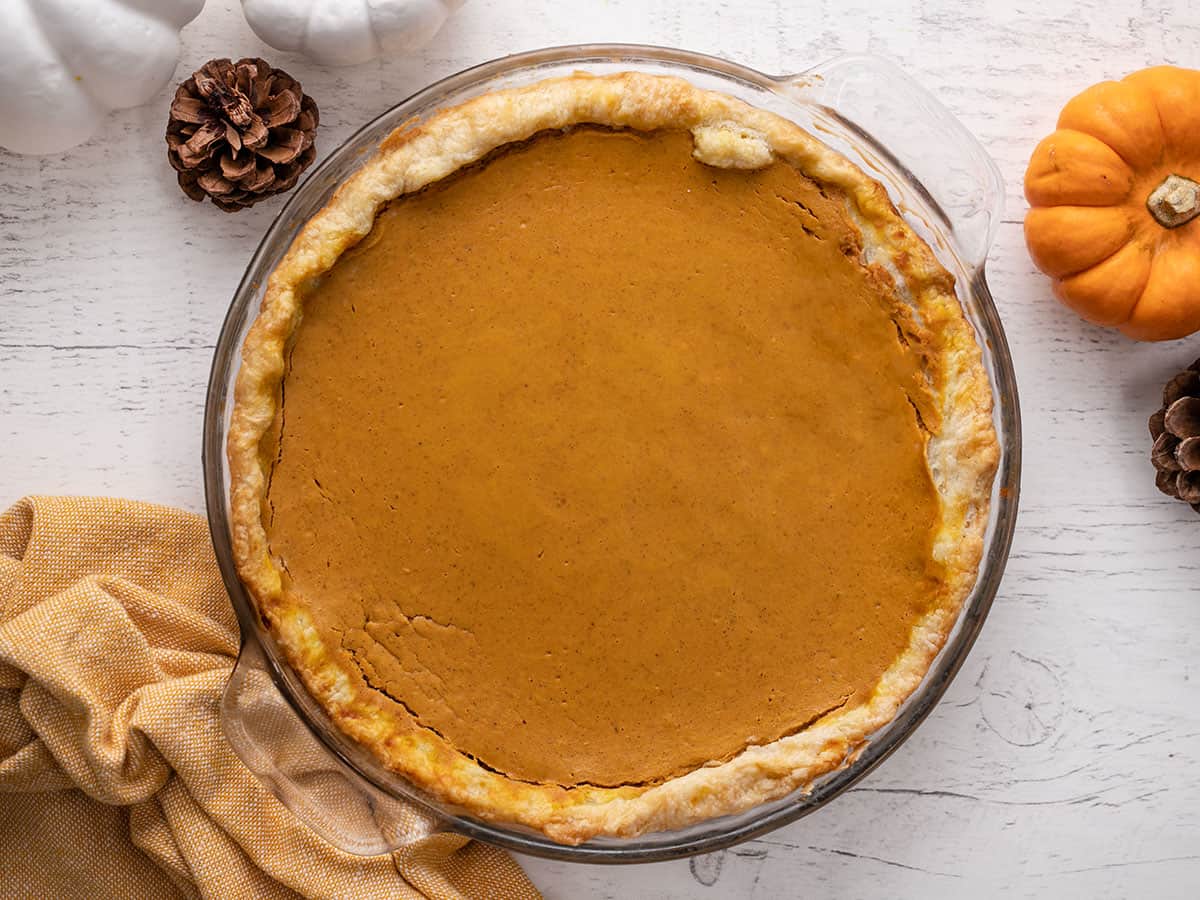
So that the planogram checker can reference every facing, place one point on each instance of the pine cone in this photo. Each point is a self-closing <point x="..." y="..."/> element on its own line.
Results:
<point x="240" y="132"/>
<point x="1176" y="432"/>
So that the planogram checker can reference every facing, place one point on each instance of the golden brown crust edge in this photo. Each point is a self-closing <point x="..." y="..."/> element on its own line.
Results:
<point x="727" y="132"/>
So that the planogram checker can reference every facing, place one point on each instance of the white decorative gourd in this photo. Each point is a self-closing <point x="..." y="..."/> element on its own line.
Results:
<point x="65" y="64"/>
<point x="346" y="32"/>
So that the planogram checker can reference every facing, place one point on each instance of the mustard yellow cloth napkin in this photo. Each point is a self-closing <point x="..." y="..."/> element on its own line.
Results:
<point x="116" y="640"/>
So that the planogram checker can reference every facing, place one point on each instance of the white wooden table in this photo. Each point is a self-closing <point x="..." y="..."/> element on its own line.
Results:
<point x="1065" y="759"/>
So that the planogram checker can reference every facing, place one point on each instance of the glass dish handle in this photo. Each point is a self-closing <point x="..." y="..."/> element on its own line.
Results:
<point x="901" y="120"/>
<point x="335" y="802"/>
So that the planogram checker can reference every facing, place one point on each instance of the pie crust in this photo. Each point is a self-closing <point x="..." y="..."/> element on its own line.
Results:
<point x="962" y="454"/>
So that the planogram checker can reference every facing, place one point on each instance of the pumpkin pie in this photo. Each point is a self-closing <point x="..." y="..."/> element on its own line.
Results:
<point x="609" y="455"/>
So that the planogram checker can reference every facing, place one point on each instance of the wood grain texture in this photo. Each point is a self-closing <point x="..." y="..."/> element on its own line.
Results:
<point x="1065" y="760"/>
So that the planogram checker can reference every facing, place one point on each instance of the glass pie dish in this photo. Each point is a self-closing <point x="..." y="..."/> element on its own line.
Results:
<point x="946" y="187"/>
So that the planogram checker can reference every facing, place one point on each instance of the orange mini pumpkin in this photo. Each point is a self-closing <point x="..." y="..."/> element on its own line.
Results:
<point x="1114" y="199"/>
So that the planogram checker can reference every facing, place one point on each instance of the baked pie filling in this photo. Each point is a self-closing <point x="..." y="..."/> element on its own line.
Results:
<point x="598" y="465"/>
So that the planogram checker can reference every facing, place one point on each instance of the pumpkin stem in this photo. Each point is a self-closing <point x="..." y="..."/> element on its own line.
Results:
<point x="1175" y="202"/>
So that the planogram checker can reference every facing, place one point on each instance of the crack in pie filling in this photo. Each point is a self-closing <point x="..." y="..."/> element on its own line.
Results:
<point x="609" y="455"/>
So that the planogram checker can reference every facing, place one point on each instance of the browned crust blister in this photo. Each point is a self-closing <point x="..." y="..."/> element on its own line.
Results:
<point x="963" y="451"/>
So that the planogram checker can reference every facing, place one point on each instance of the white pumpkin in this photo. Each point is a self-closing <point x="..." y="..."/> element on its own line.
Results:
<point x="346" y="32"/>
<point x="65" y="64"/>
